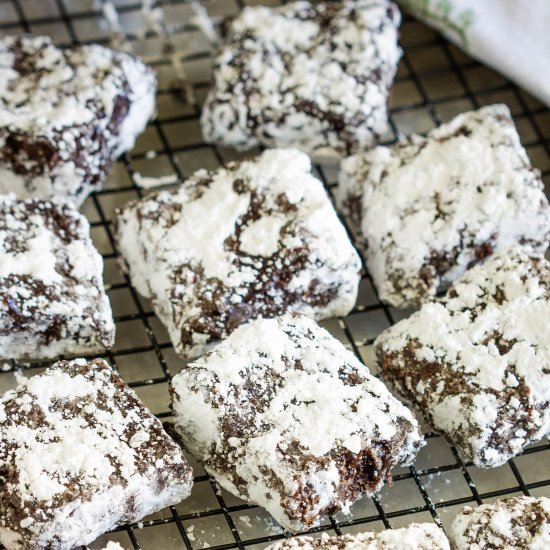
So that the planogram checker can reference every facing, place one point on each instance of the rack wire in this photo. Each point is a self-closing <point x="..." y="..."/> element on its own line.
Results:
<point x="435" y="81"/>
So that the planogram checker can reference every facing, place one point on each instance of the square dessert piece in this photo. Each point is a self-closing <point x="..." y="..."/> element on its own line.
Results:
<point x="315" y="76"/>
<point x="79" y="455"/>
<point x="52" y="300"/>
<point x="428" y="208"/>
<point x="283" y="416"/>
<point x="252" y="239"/>
<point x="477" y="362"/>
<point x="514" y="522"/>
<point x="417" y="536"/>
<point x="66" y="114"/>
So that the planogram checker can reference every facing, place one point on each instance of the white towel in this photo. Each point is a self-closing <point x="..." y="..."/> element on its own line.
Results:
<point x="512" y="36"/>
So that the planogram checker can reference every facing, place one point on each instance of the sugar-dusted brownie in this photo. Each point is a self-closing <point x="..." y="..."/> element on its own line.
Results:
<point x="315" y="76"/>
<point x="477" y="362"/>
<point x="282" y="415"/>
<point x="79" y="455"/>
<point x="428" y="208"/>
<point x="514" y="522"/>
<point x="66" y="114"/>
<point x="252" y="239"/>
<point x="417" y="536"/>
<point x="52" y="300"/>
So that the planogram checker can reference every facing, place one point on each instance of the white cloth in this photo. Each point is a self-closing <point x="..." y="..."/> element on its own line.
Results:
<point x="512" y="36"/>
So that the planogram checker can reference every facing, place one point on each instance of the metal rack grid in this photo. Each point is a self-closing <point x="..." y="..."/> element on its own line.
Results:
<point x="435" y="81"/>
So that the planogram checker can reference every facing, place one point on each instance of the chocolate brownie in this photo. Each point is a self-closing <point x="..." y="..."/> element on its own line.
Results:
<point x="80" y="454"/>
<point x="427" y="209"/>
<point x="66" y="114"/>
<point x="52" y="300"/>
<point x="513" y="522"/>
<point x="283" y="416"/>
<point x="315" y="76"/>
<point x="252" y="239"/>
<point x="417" y="536"/>
<point x="477" y="362"/>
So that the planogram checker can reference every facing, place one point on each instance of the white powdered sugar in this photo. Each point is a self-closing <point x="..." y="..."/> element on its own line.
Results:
<point x="315" y="76"/>
<point x="428" y="208"/>
<point x="65" y="114"/>
<point x="253" y="239"/>
<point x="78" y="454"/>
<point x="251" y="409"/>
<point x="52" y="300"/>
<point x="417" y="536"/>
<point x="113" y="546"/>
<point x="476" y="362"/>
<point x="521" y="523"/>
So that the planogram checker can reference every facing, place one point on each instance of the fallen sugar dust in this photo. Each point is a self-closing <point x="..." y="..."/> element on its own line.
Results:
<point x="149" y="182"/>
<point x="154" y="22"/>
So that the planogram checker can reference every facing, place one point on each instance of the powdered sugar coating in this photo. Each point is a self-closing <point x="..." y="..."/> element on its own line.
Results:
<point x="315" y="76"/>
<point x="431" y="207"/>
<point x="253" y="239"/>
<point x="250" y="410"/>
<point x="513" y="522"/>
<point x="80" y="454"/>
<point x="113" y="546"/>
<point x="477" y="362"/>
<point x="52" y="300"/>
<point x="66" y="114"/>
<point x="417" y="536"/>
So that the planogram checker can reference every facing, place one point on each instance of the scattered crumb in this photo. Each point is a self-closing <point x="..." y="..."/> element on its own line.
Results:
<point x="146" y="182"/>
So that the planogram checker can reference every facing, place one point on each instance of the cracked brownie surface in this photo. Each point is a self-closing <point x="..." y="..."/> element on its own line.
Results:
<point x="79" y="455"/>
<point x="252" y="239"/>
<point x="477" y="362"/>
<point x="52" y="300"/>
<point x="315" y="76"/>
<point x="66" y="114"/>
<point x="427" y="209"/>
<point x="417" y="536"/>
<point x="514" y="522"/>
<point x="251" y="411"/>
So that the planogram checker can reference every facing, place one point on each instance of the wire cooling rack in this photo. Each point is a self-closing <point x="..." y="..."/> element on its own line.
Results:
<point x="435" y="82"/>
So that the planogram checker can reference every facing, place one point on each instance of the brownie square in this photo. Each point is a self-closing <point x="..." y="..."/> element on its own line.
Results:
<point x="315" y="76"/>
<point x="52" y="300"/>
<point x="79" y="455"/>
<point x="426" y="209"/>
<point x="477" y="362"/>
<point x="283" y="416"/>
<point x="512" y="523"/>
<point x="66" y="114"/>
<point x="252" y="239"/>
<point x="417" y="536"/>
